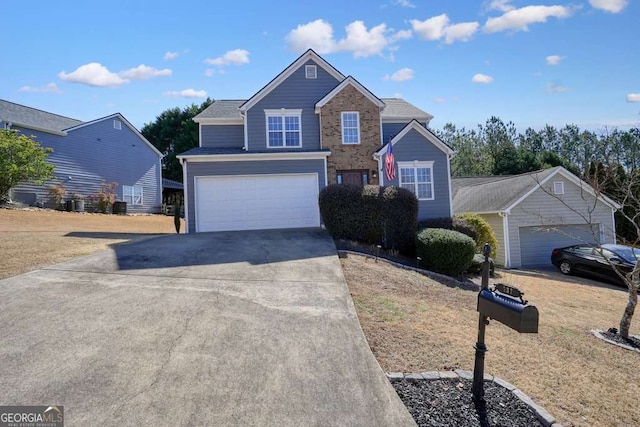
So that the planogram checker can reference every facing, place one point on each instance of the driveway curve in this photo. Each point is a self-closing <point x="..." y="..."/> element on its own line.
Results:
<point x="239" y="328"/>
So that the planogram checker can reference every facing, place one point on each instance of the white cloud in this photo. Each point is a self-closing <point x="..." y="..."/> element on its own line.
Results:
<point x="633" y="97"/>
<point x="556" y="88"/>
<point x="170" y="55"/>
<point x="232" y="57"/>
<point x="501" y="5"/>
<point x="520" y="19"/>
<point x="439" y="100"/>
<point x="187" y="93"/>
<point x="438" y="27"/>
<point x="96" y="74"/>
<point x="142" y="72"/>
<point x="432" y="28"/>
<point x="363" y="42"/>
<point x="359" y="40"/>
<point x="460" y="32"/>
<point x="612" y="6"/>
<point x="397" y="95"/>
<point x="93" y="74"/>
<point x="554" y="59"/>
<point x="482" y="78"/>
<point x="402" y="75"/>
<point x="209" y="72"/>
<point x="48" y="88"/>
<point x="403" y="3"/>
<point x="316" y="35"/>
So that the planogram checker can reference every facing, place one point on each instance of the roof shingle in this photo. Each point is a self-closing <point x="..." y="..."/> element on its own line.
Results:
<point x="32" y="118"/>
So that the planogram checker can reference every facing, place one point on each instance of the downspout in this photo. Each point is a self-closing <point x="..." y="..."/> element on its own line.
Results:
<point x="378" y="158"/>
<point x="505" y="233"/>
<point x="246" y="132"/>
<point x="183" y="162"/>
<point x="450" y="190"/>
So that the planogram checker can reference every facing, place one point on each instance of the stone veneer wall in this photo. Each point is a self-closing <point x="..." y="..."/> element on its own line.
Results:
<point x="350" y="156"/>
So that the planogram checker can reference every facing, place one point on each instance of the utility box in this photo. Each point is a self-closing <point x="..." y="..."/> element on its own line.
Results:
<point x="507" y="309"/>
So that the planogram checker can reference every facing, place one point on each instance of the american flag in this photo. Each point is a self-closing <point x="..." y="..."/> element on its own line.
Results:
<point x="390" y="164"/>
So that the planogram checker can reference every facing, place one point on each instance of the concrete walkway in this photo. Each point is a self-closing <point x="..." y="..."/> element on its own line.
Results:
<point x="244" y="328"/>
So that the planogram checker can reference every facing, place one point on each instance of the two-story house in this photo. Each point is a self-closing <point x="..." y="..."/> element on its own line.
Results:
<point x="261" y="162"/>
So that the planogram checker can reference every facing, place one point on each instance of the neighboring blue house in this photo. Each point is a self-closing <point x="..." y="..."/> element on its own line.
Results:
<point x="86" y="154"/>
<point x="262" y="162"/>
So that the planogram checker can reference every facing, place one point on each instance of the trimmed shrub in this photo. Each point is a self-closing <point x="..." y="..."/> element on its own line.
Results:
<point x="483" y="231"/>
<point x="371" y="214"/>
<point x="445" y="251"/>
<point x="457" y="224"/>
<point x="476" y="265"/>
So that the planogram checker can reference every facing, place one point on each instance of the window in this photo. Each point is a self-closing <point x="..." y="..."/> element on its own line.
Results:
<point x="132" y="194"/>
<point x="117" y="124"/>
<point x="350" y="127"/>
<point x="558" y="187"/>
<point x="283" y="128"/>
<point x="417" y="177"/>
<point x="311" y="71"/>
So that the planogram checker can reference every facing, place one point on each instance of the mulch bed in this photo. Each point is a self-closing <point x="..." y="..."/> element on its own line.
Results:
<point x="613" y="335"/>
<point x="447" y="402"/>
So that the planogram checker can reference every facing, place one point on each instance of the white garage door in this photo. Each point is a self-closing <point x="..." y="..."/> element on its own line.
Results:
<point x="536" y="243"/>
<point x="256" y="202"/>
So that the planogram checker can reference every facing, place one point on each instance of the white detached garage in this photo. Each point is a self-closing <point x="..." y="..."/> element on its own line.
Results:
<point x="533" y="213"/>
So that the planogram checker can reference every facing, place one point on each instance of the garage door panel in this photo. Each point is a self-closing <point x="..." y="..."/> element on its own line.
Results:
<point x="536" y="243"/>
<point x="257" y="202"/>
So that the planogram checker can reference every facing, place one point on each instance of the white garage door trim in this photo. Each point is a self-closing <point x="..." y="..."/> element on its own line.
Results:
<point x="546" y="241"/>
<point x="268" y="210"/>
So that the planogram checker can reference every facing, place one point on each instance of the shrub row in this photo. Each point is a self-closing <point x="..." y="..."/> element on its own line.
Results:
<point x="371" y="214"/>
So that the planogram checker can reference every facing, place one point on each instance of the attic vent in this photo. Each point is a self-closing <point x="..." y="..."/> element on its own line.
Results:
<point x="311" y="71"/>
<point x="558" y="187"/>
<point x="117" y="124"/>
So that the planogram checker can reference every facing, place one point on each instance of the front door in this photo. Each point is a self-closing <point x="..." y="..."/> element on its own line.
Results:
<point x="353" y="177"/>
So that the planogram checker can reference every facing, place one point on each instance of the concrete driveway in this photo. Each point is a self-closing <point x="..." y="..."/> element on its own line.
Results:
<point x="244" y="328"/>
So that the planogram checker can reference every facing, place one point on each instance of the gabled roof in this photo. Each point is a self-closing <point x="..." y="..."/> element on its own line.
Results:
<point x="32" y="118"/>
<point x="221" y="110"/>
<point x="120" y="117"/>
<point x="349" y="81"/>
<point x="302" y="59"/>
<point x="415" y="125"/>
<point x="496" y="194"/>
<point x="398" y="109"/>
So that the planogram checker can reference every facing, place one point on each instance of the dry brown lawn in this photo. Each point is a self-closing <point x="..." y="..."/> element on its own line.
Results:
<point x="36" y="238"/>
<point x="414" y="324"/>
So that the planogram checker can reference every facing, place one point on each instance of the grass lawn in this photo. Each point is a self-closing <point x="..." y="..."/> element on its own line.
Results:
<point x="36" y="238"/>
<point x="415" y="324"/>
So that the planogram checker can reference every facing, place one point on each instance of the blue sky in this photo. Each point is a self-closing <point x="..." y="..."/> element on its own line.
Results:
<point x="531" y="62"/>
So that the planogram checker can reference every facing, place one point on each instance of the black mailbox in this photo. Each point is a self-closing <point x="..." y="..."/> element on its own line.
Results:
<point x="516" y="314"/>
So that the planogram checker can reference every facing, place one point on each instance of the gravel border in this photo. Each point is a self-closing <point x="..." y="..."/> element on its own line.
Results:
<point x="599" y="335"/>
<point x="542" y="414"/>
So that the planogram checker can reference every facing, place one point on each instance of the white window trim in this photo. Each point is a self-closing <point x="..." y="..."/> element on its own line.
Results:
<point x="283" y="112"/>
<point x="415" y="165"/>
<point x="132" y="194"/>
<point x="308" y="73"/>
<point x="558" y="187"/>
<point x="357" y="113"/>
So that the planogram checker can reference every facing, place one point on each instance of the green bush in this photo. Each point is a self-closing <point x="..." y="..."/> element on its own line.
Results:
<point x="371" y="214"/>
<point x="450" y="223"/>
<point x="483" y="231"/>
<point x="445" y="251"/>
<point x="476" y="265"/>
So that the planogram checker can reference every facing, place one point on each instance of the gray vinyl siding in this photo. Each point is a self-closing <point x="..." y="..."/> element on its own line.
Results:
<point x="414" y="146"/>
<point x="495" y="221"/>
<point x="543" y="209"/>
<point x="95" y="153"/>
<point x="389" y="130"/>
<point x="222" y="136"/>
<point x="296" y="92"/>
<point x="266" y="167"/>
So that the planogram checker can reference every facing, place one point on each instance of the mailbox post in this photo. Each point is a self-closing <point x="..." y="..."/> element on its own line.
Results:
<point x="481" y="348"/>
<point x="506" y="305"/>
